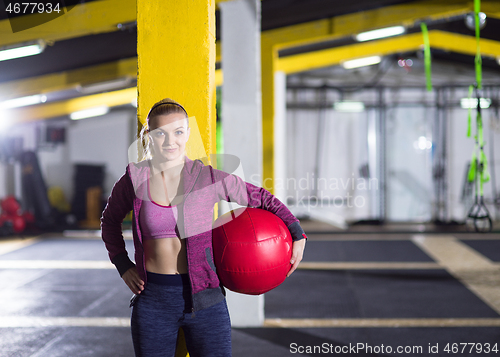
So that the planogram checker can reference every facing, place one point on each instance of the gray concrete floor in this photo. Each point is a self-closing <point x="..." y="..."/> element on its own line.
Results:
<point x="61" y="297"/>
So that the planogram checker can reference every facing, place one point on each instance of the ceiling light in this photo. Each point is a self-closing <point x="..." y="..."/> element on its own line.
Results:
<point x="470" y="20"/>
<point x="422" y="143"/>
<point x="89" y="113"/>
<point x="471" y="103"/>
<point x="361" y="62"/>
<point x="21" y="50"/>
<point x="349" y="107"/>
<point x="4" y="121"/>
<point x="405" y="62"/>
<point x="23" y="101"/>
<point x="380" y="33"/>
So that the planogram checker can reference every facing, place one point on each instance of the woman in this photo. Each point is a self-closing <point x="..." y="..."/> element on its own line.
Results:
<point x="174" y="278"/>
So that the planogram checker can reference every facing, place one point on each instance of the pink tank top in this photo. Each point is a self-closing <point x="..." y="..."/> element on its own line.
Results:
<point x="157" y="221"/>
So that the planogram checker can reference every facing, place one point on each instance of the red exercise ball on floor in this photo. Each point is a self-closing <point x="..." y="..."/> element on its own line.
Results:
<point x="10" y="205"/>
<point x="18" y="224"/>
<point x="252" y="250"/>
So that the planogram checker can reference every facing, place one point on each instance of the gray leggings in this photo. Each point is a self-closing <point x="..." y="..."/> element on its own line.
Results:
<point x="164" y="306"/>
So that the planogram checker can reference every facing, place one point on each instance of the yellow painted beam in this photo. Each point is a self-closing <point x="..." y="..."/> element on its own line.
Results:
<point x="55" y="109"/>
<point x="455" y="42"/>
<point x="402" y="14"/>
<point x="66" y="107"/>
<point x="294" y="35"/>
<point x="350" y="24"/>
<point x="491" y="9"/>
<point x="438" y="39"/>
<point x="84" y="19"/>
<point x="69" y="79"/>
<point x="185" y="69"/>
<point x="333" y="56"/>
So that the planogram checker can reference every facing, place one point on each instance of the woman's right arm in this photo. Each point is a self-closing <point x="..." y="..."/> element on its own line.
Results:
<point x="120" y="203"/>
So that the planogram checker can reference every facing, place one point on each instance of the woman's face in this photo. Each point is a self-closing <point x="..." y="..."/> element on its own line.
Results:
<point x="170" y="134"/>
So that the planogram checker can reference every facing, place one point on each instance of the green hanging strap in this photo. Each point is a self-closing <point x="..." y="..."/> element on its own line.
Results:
<point x="427" y="56"/>
<point x="481" y="174"/>
<point x="472" y="169"/>
<point x="484" y="175"/>
<point x="471" y="88"/>
<point x="479" y="123"/>
<point x="478" y="61"/>
<point x="483" y="162"/>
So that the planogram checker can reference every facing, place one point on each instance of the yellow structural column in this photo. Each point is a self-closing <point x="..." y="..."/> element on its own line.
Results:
<point x="176" y="59"/>
<point x="268" y="57"/>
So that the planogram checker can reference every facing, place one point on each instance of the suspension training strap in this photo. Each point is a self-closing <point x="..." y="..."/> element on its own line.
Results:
<point x="427" y="56"/>
<point x="478" y="60"/>
<point x="469" y="118"/>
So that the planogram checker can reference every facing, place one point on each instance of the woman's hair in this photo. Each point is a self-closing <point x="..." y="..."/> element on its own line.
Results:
<point x="163" y="107"/>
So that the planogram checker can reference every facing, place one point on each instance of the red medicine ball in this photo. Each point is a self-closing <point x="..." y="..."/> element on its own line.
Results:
<point x="18" y="224"/>
<point x="252" y="250"/>
<point x="10" y="205"/>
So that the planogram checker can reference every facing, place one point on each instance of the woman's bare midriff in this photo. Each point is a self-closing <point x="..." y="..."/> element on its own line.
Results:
<point x="166" y="256"/>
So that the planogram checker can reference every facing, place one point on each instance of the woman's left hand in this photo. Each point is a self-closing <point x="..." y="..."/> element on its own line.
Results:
<point x="297" y="253"/>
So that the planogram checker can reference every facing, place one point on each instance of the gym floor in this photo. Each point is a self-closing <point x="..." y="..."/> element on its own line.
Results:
<point x="415" y="294"/>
